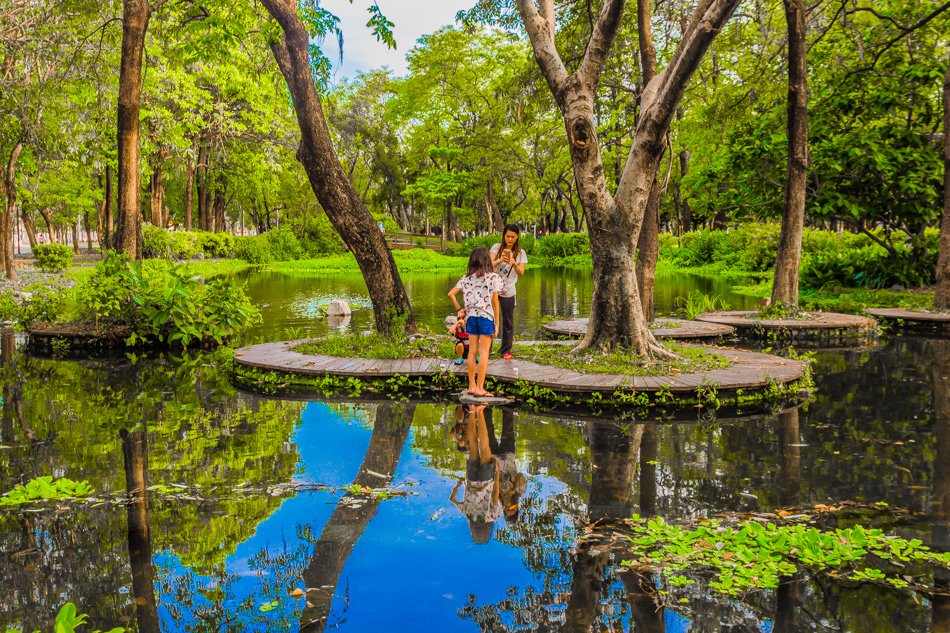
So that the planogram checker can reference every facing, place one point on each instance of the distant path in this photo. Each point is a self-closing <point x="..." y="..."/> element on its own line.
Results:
<point x="661" y="328"/>
<point x="811" y="325"/>
<point x="749" y="370"/>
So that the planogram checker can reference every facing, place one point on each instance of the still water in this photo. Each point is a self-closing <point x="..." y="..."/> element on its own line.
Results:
<point x="251" y="497"/>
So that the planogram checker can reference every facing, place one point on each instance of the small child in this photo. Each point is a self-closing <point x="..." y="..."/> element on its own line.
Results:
<point x="456" y="328"/>
<point x="480" y="288"/>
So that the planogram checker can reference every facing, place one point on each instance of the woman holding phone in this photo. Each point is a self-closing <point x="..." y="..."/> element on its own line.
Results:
<point x="508" y="259"/>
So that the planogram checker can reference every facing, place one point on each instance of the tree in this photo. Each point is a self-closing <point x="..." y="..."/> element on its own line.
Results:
<point x="785" y="280"/>
<point x="329" y="181"/>
<point x="614" y="221"/>
<point x="942" y="291"/>
<point x="135" y="18"/>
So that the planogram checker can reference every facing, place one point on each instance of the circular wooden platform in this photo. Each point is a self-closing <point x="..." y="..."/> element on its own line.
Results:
<point x="813" y="325"/>
<point x="661" y="328"/>
<point x="749" y="370"/>
<point x="914" y="320"/>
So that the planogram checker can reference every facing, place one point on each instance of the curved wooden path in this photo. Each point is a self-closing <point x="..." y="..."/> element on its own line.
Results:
<point x="821" y="323"/>
<point x="750" y="370"/>
<point x="661" y="328"/>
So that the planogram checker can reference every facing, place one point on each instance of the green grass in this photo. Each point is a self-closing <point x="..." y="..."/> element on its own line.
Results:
<point x="623" y="362"/>
<point x="212" y="268"/>
<point x="354" y="346"/>
<point x="846" y="300"/>
<point x="418" y="260"/>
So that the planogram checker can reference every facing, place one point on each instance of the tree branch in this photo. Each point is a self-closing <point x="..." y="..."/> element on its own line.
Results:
<point x="599" y="44"/>
<point x="541" y="33"/>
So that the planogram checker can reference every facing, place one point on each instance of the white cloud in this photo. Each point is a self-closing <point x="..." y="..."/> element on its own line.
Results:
<point x="412" y="18"/>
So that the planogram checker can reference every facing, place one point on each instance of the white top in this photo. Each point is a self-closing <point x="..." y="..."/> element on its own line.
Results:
<point x="507" y="271"/>
<point x="477" y="291"/>
<point x="477" y="504"/>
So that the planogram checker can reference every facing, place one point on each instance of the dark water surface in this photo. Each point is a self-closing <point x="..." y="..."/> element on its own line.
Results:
<point x="251" y="497"/>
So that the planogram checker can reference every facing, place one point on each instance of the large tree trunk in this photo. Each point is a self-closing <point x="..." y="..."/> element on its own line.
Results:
<point x="349" y="521"/>
<point x="157" y="198"/>
<point x="614" y="222"/>
<point x="48" y="220"/>
<point x="189" y="191"/>
<point x="942" y="291"/>
<point x="218" y="205"/>
<point x="74" y="229"/>
<point x="333" y="189"/>
<point x="135" y="16"/>
<point x="648" y="243"/>
<point x="7" y="221"/>
<point x="785" y="283"/>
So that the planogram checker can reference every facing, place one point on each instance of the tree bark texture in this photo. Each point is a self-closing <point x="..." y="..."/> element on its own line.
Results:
<point x="614" y="221"/>
<point x="648" y="242"/>
<point x="7" y="222"/>
<point x="348" y="522"/>
<point x="135" y="454"/>
<point x="203" y="193"/>
<point x="29" y="228"/>
<point x="135" y="16"/>
<point x="333" y="189"/>
<point x="942" y="291"/>
<point x="788" y="261"/>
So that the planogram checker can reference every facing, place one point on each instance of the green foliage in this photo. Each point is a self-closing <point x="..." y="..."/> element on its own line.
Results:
<point x="469" y="244"/>
<point x="283" y="244"/>
<point x="622" y="361"/>
<point x="46" y="489"/>
<point x="161" y="243"/>
<point x="68" y="620"/>
<point x="48" y="302"/>
<point x="561" y="245"/>
<point x="163" y="303"/>
<point x="698" y="302"/>
<point x="753" y="556"/>
<point x="53" y="257"/>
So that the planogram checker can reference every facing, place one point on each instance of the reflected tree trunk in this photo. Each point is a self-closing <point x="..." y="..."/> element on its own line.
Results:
<point x="348" y="522"/>
<point x="648" y="452"/>
<point x="942" y="289"/>
<point x="613" y="469"/>
<point x="789" y="479"/>
<point x="940" y="495"/>
<point x="135" y="456"/>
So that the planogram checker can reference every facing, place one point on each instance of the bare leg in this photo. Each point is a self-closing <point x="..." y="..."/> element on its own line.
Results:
<point x="484" y="347"/>
<point x="459" y="350"/>
<point x="473" y="344"/>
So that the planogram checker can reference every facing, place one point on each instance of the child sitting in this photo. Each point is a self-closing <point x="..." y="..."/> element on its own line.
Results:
<point x="457" y="329"/>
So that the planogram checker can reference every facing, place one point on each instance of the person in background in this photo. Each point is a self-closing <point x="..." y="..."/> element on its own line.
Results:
<point x="508" y="260"/>
<point x="456" y="327"/>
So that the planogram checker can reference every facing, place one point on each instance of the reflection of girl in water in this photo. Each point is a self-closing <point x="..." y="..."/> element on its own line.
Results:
<point x="481" y="502"/>
<point x="511" y="483"/>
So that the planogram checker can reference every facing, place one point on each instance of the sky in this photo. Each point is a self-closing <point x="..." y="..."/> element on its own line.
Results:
<point x="361" y="51"/>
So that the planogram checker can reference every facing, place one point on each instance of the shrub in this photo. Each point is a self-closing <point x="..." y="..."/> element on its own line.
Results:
<point x="253" y="250"/>
<point x="156" y="242"/>
<point x="560" y="245"/>
<point x="283" y="244"/>
<point x="162" y="303"/>
<point x="469" y="244"/>
<point x="216" y="244"/>
<point x="53" y="257"/>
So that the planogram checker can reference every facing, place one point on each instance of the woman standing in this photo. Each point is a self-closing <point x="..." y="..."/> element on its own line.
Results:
<point x="508" y="259"/>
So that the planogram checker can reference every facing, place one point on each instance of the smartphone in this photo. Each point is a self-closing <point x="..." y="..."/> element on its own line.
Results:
<point x="507" y="252"/>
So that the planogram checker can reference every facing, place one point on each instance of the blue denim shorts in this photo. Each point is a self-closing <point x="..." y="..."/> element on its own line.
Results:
<point x="478" y="326"/>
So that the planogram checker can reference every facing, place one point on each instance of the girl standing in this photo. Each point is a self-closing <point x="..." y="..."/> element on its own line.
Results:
<point x="508" y="260"/>
<point x="480" y="288"/>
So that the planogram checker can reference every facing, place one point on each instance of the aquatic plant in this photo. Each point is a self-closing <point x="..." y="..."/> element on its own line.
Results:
<point x="69" y="619"/>
<point x="694" y="304"/>
<point x="45" y="488"/>
<point x="753" y="555"/>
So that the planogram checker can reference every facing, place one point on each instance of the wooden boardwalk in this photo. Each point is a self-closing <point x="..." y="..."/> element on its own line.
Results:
<point x="661" y="328"/>
<point x="749" y="370"/>
<point x="921" y="321"/>
<point x="822" y="322"/>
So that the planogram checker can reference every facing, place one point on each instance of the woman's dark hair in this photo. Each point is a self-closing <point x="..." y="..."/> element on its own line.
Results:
<point x="479" y="262"/>
<point x="516" y="247"/>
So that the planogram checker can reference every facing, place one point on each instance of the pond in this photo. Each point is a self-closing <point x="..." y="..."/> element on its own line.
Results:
<point x="255" y="500"/>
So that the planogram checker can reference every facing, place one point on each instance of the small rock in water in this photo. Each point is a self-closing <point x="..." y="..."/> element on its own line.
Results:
<point x="338" y="307"/>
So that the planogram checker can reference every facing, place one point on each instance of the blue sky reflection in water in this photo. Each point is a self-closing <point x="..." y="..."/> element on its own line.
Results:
<point x="415" y="565"/>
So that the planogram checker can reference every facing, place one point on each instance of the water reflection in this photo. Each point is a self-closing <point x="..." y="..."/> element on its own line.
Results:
<point x="227" y="554"/>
